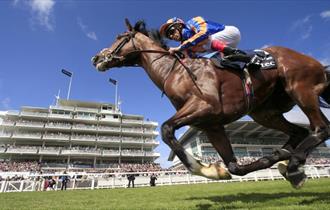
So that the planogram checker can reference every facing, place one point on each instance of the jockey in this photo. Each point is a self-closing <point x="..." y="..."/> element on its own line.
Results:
<point x="198" y="35"/>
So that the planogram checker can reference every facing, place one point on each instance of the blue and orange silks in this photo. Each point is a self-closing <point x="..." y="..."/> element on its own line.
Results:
<point x="198" y="29"/>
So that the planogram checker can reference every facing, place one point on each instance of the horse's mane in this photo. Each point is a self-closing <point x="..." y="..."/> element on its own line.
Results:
<point x="140" y="26"/>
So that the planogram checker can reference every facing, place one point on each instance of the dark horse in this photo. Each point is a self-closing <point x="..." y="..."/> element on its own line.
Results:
<point x="218" y="97"/>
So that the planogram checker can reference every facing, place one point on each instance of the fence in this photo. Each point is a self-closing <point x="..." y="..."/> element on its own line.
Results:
<point x="119" y="180"/>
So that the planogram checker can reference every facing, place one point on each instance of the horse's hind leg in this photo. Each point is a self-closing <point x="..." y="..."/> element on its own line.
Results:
<point x="274" y="120"/>
<point x="307" y="100"/>
<point x="277" y="121"/>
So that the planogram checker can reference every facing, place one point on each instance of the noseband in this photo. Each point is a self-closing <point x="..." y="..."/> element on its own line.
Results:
<point x="113" y="55"/>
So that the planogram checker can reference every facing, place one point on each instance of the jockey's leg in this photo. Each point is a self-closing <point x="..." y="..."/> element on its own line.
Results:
<point x="226" y="42"/>
<point x="194" y="111"/>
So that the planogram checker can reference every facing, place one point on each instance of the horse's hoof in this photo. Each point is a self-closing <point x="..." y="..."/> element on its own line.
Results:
<point x="282" y="167"/>
<point x="215" y="171"/>
<point x="297" y="179"/>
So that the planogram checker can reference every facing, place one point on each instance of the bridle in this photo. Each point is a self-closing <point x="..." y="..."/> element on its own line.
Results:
<point x="129" y="36"/>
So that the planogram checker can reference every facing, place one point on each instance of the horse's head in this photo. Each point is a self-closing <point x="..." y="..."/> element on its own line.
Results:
<point x="121" y="52"/>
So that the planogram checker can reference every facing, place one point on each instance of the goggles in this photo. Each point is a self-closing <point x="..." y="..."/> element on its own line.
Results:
<point x="170" y="31"/>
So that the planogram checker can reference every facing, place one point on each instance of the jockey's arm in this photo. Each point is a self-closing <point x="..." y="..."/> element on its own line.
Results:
<point x="199" y="26"/>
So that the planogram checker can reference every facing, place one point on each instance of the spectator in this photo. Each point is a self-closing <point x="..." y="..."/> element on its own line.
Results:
<point x="46" y="183"/>
<point x="65" y="179"/>
<point x="153" y="179"/>
<point x="131" y="178"/>
<point x="51" y="183"/>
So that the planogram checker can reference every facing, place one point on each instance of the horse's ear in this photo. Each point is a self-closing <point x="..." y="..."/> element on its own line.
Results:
<point x="128" y="25"/>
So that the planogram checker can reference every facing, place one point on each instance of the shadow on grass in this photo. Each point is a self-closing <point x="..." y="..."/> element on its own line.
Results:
<point x="228" y="201"/>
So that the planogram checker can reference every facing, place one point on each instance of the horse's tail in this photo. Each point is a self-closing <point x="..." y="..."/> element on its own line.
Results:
<point x="325" y="95"/>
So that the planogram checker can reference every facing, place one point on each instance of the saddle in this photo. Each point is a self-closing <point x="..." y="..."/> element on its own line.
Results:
<point x="254" y="59"/>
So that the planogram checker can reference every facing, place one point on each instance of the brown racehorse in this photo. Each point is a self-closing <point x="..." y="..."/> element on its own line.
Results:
<point x="218" y="97"/>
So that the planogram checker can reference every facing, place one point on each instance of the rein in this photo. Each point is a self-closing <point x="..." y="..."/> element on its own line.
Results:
<point x="130" y="36"/>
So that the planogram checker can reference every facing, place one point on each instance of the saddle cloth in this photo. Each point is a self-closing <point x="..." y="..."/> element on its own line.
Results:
<point x="267" y="60"/>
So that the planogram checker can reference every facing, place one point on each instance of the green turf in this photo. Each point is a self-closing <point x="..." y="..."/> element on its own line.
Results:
<point x="247" y="195"/>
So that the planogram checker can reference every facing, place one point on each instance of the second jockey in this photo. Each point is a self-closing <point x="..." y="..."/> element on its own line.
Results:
<point x="198" y="35"/>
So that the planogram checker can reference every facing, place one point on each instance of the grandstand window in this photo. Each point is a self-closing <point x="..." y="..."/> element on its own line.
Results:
<point x="106" y="107"/>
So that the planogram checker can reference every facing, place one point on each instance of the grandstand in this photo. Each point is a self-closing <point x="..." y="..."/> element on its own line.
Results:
<point x="250" y="141"/>
<point x="75" y="135"/>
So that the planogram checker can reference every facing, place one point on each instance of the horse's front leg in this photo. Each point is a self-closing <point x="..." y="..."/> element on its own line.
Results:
<point x="193" y="111"/>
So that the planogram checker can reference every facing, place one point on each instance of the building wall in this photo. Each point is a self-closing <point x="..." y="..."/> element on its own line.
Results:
<point x="76" y="131"/>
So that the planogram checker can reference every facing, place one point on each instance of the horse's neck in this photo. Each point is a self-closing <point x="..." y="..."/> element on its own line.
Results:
<point x="156" y="65"/>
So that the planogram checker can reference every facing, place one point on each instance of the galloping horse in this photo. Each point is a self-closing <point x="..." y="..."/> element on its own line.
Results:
<point x="218" y="97"/>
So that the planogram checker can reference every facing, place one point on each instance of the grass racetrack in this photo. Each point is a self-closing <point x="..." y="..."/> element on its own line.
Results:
<point x="244" y="195"/>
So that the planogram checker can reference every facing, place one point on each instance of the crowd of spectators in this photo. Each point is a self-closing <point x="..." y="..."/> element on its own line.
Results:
<point x="249" y="159"/>
<point x="26" y="166"/>
<point x="35" y="167"/>
<point x="145" y="167"/>
<point x="318" y="161"/>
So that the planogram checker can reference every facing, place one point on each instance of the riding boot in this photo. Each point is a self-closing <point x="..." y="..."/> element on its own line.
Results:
<point x="234" y="54"/>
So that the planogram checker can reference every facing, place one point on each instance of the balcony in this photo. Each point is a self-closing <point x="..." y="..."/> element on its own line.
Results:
<point x="62" y="108"/>
<point x="83" y="127"/>
<point x="34" y="114"/>
<point x="151" y="142"/>
<point x="60" y="116"/>
<point x="30" y="124"/>
<point x="80" y="152"/>
<point x="90" y="110"/>
<point x="59" y="126"/>
<point x="12" y="113"/>
<point x="5" y="135"/>
<point x="83" y="138"/>
<point x="132" y="122"/>
<point x="152" y="154"/>
<point x="135" y="131"/>
<point x="132" y="153"/>
<point x="105" y="139"/>
<point x="57" y="137"/>
<point x="132" y="140"/>
<point x="108" y="128"/>
<point x="110" y="153"/>
<point x="85" y="118"/>
<point x="150" y="123"/>
<point x="7" y="123"/>
<point x="49" y="151"/>
<point x="27" y="135"/>
<point x="22" y="150"/>
<point x="151" y="132"/>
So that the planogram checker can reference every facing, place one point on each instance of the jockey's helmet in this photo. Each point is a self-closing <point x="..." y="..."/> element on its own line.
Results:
<point x="172" y="23"/>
